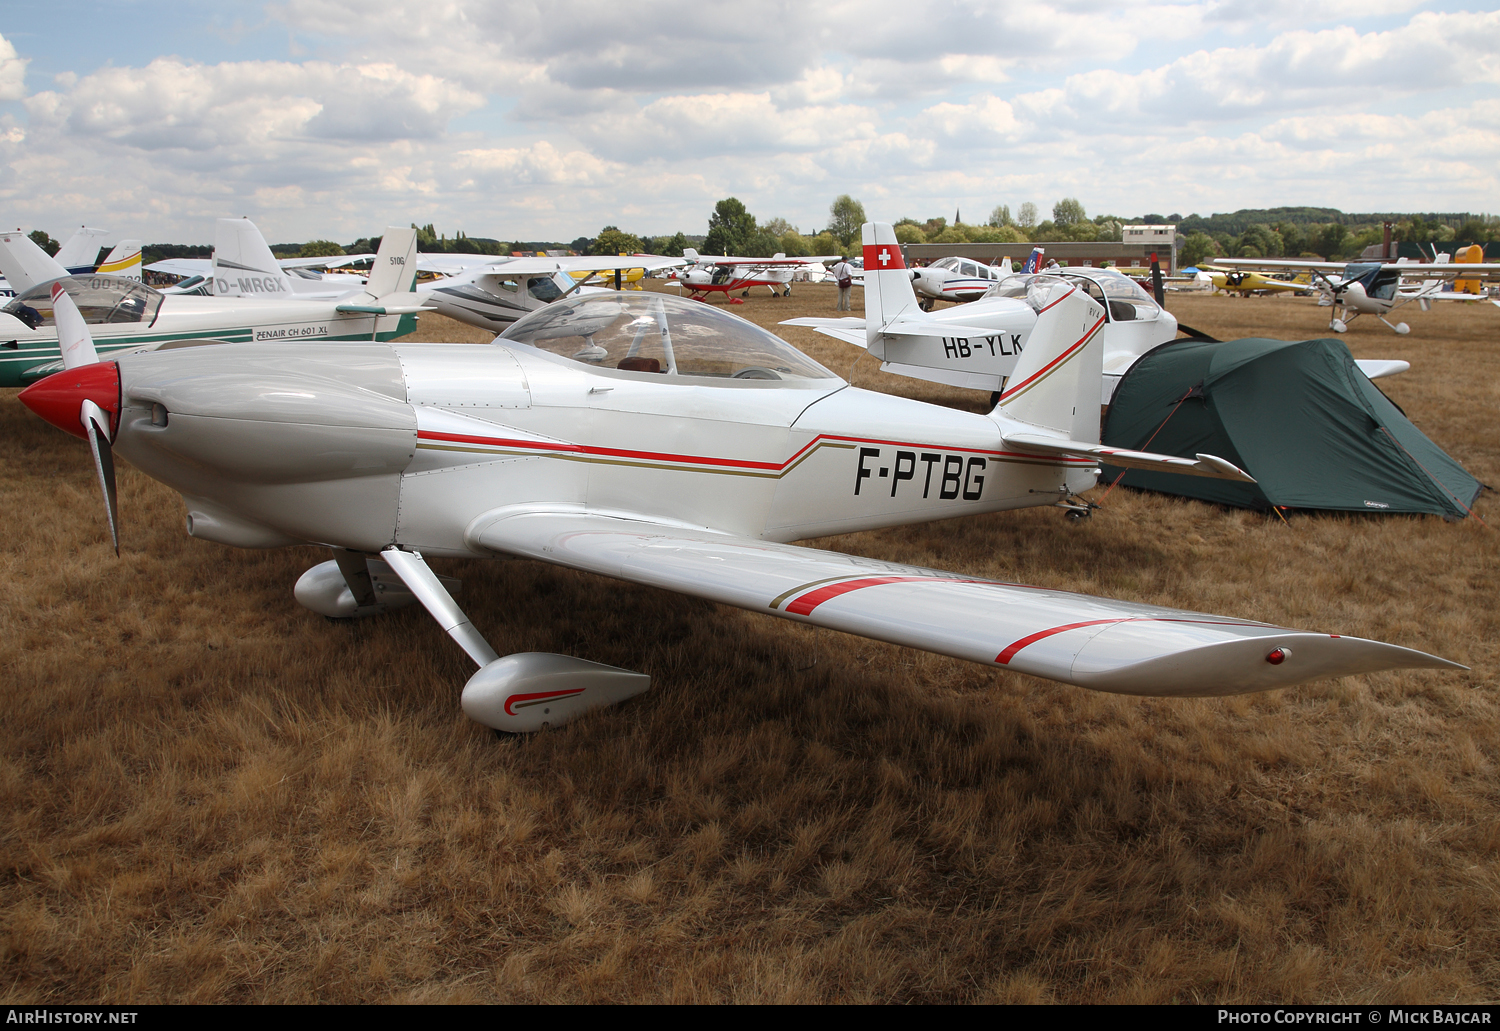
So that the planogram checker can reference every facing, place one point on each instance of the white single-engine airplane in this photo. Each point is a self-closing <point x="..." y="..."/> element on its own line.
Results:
<point x="961" y="279"/>
<point x="720" y="274"/>
<point x="1376" y="288"/>
<point x="124" y="314"/>
<point x="979" y="345"/>
<point x="655" y="440"/>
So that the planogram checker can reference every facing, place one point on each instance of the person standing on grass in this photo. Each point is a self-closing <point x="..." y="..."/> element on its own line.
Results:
<point x="843" y="275"/>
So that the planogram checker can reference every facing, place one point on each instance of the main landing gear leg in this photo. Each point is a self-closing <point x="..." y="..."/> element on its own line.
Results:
<point x="1075" y="507"/>
<point x="522" y="692"/>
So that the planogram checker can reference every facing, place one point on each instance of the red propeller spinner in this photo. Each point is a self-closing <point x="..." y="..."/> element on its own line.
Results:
<point x="59" y="398"/>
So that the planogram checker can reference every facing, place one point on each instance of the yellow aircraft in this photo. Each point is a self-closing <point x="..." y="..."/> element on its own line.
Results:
<point x="1245" y="283"/>
<point x="617" y="279"/>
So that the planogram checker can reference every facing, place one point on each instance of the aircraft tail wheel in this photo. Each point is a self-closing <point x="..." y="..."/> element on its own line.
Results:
<point x="527" y="691"/>
<point x="1339" y="326"/>
<point x="1402" y="328"/>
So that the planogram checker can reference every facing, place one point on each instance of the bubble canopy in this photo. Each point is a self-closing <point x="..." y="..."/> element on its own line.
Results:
<point x="665" y="336"/>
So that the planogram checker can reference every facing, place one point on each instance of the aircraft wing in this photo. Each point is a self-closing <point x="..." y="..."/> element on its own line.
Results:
<point x="599" y="263"/>
<point x="453" y="264"/>
<point x="767" y="262"/>
<point x="183" y="266"/>
<point x="1276" y="264"/>
<point x="333" y="261"/>
<point x="1118" y="646"/>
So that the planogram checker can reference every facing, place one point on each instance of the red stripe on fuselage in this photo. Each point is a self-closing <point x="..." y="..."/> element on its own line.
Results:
<point x="738" y="463"/>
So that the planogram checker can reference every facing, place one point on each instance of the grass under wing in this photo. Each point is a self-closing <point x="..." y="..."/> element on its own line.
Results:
<point x="210" y="794"/>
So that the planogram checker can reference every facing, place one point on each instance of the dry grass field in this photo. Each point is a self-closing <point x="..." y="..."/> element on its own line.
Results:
<point x="208" y="793"/>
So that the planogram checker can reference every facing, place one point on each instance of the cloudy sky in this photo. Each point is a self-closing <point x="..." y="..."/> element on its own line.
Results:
<point x="525" y="120"/>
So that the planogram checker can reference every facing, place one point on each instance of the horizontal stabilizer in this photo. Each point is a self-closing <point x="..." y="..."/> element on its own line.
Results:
<point x="1376" y="368"/>
<point x="1205" y="465"/>
<point x="1119" y="646"/>
<point x="850" y="331"/>
<point x="926" y="326"/>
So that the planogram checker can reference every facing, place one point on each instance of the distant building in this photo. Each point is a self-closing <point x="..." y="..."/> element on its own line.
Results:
<point x="1163" y="237"/>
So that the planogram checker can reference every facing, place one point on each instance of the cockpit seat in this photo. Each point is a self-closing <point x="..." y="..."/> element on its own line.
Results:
<point x="639" y="364"/>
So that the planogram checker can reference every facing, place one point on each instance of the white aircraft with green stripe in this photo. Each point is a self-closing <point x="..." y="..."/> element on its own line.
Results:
<point x="126" y="315"/>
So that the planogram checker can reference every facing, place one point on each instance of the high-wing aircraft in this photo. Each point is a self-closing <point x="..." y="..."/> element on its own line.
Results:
<point x="721" y="274"/>
<point x="979" y="345"/>
<point x="1246" y="282"/>
<point x="125" y="314"/>
<point x="496" y="294"/>
<point x="654" y="440"/>
<point x="1377" y="288"/>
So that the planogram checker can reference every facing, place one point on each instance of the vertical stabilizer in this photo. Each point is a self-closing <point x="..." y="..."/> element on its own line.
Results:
<point x="81" y="251"/>
<point x="888" y="292"/>
<point x="395" y="268"/>
<point x="1034" y="262"/>
<point x="123" y="260"/>
<point x="24" y="264"/>
<point x="1057" y="378"/>
<point x="691" y="255"/>
<point x="244" y="265"/>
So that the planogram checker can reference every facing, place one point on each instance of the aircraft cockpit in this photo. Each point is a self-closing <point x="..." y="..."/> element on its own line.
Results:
<point x="664" y="336"/>
<point x="964" y="267"/>
<point x="1120" y="295"/>
<point x="100" y="299"/>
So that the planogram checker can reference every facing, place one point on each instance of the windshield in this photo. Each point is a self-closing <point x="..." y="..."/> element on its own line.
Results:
<point x="1127" y="300"/>
<point x="101" y="299"/>
<point x="946" y="263"/>
<point x="660" y="334"/>
<point x="1123" y="296"/>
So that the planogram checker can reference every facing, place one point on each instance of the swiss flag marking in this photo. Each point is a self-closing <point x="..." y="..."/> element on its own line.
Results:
<point x="883" y="256"/>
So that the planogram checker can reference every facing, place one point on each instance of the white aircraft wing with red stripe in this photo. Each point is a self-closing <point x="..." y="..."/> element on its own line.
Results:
<point x="1123" y="647"/>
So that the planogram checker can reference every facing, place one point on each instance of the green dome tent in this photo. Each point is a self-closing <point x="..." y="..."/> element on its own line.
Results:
<point x="1298" y="416"/>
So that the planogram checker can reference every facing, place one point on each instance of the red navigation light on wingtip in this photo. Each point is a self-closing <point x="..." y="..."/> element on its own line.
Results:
<point x="59" y="398"/>
<point x="1278" y="656"/>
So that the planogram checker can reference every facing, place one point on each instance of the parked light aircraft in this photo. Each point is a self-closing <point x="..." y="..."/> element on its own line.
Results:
<point x="496" y="294"/>
<point x="979" y="345"/>
<point x="956" y="279"/>
<point x="1377" y="288"/>
<point x="1246" y="282"/>
<point x="662" y="442"/>
<point x="721" y="274"/>
<point x="125" y="314"/>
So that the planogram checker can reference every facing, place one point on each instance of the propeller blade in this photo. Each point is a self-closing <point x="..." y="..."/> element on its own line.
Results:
<point x="73" y="338"/>
<point x="96" y="424"/>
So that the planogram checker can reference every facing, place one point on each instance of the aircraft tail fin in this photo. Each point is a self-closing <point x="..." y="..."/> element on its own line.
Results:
<point x="24" y="264"/>
<point x="691" y="255"/>
<point x="888" y="292"/>
<point x="243" y="263"/>
<point x="1056" y="381"/>
<point x="1034" y="262"/>
<point x="123" y="260"/>
<point x="395" y="268"/>
<point x="81" y="251"/>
